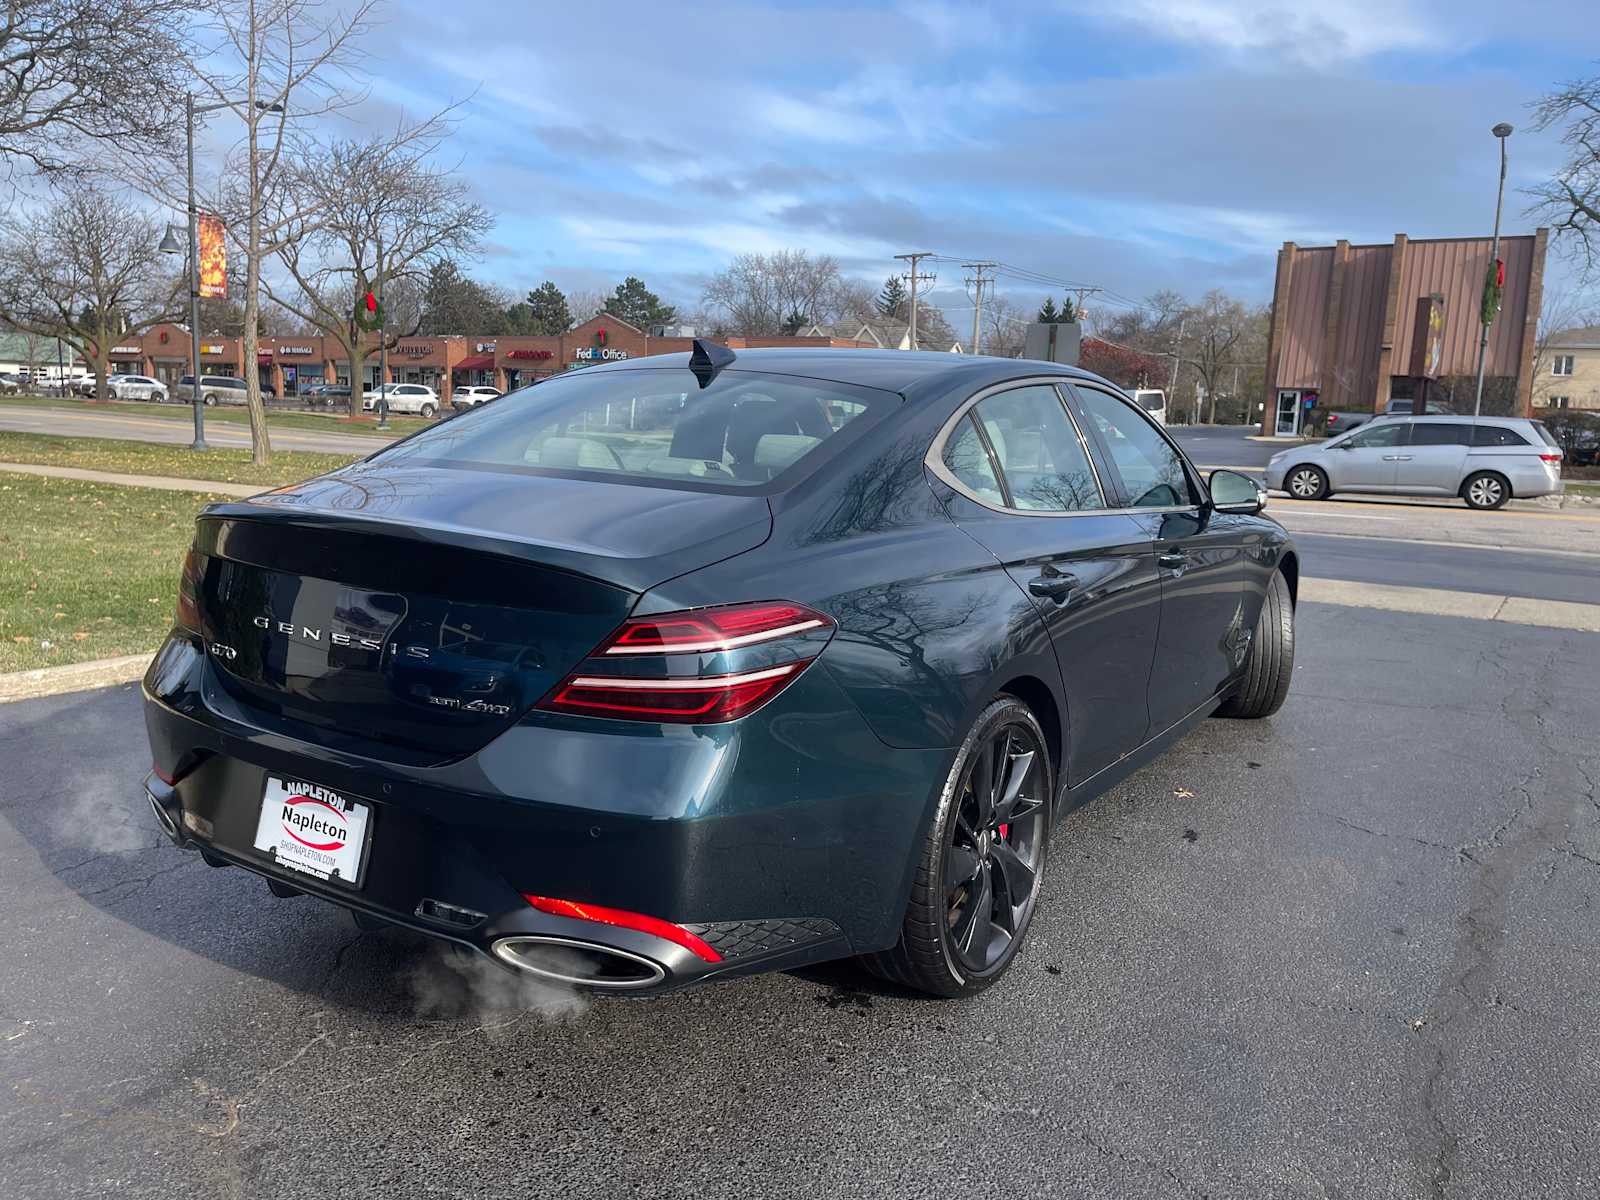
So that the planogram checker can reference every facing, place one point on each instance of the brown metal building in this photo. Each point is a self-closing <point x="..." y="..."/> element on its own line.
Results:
<point x="1353" y="326"/>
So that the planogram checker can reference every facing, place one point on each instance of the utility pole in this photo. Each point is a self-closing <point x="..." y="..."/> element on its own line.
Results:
<point x="1177" y="349"/>
<point x="914" y="277"/>
<point x="977" y="281"/>
<point x="1083" y="294"/>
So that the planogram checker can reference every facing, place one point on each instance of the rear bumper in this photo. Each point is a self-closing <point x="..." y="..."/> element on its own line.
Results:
<point x="783" y="839"/>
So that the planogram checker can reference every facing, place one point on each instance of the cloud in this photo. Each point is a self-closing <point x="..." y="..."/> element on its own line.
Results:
<point x="1326" y="29"/>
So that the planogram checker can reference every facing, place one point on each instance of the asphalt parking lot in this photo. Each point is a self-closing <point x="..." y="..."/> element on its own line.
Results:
<point x="1348" y="951"/>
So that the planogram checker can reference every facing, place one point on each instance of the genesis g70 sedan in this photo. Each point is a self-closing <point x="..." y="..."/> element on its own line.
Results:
<point x="708" y="664"/>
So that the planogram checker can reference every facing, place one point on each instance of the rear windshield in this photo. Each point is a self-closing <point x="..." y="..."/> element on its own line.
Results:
<point x="1152" y="401"/>
<point x="1549" y="438"/>
<point x="744" y="430"/>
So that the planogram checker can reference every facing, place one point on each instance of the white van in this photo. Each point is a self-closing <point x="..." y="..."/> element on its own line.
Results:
<point x="1153" y="401"/>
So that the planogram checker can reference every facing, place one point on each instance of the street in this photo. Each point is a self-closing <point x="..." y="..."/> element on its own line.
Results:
<point x="167" y="430"/>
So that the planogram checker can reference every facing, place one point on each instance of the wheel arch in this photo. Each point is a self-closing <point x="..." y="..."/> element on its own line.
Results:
<point x="1289" y="565"/>
<point x="1036" y="694"/>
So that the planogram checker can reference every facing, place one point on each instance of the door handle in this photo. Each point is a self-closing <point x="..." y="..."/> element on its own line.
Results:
<point x="1397" y="458"/>
<point x="1052" y="584"/>
<point x="1173" y="560"/>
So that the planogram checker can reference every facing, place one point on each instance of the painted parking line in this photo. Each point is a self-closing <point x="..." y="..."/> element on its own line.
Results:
<point x="1516" y="610"/>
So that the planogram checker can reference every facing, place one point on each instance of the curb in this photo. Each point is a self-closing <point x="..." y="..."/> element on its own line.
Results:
<point x="164" y="483"/>
<point x="79" y="677"/>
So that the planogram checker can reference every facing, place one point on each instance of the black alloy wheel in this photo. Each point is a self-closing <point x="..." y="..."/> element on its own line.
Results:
<point x="995" y="850"/>
<point x="981" y="865"/>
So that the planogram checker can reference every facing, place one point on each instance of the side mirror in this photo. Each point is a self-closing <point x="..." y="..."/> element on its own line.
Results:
<point x="1232" y="492"/>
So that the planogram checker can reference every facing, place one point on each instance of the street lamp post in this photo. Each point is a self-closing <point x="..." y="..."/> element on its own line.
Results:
<point x="1501" y="131"/>
<point x="190" y="110"/>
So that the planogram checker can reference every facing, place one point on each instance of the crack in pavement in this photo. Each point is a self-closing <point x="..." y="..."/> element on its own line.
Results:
<point x="1546" y="810"/>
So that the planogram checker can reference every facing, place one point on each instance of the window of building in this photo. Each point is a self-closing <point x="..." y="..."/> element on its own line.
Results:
<point x="1561" y="401"/>
<point x="1561" y="364"/>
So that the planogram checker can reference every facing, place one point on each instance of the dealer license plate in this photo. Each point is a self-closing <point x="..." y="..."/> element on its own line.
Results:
<point x="314" y="830"/>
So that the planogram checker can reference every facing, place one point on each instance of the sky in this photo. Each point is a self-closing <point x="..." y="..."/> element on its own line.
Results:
<point x="1131" y="146"/>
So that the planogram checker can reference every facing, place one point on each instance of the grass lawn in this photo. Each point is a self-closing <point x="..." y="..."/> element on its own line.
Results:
<point x="88" y="570"/>
<point x="151" y="458"/>
<point x="331" y="422"/>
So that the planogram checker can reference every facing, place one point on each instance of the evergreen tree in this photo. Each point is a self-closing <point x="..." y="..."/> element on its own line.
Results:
<point x="1069" y="311"/>
<point x="548" y="313"/>
<point x="1047" y="312"/>
<point x="639" y="306"/>
<point x="892" y="300"/>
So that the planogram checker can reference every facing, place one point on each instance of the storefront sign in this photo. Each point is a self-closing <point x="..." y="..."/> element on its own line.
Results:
<point x="296" y="350"/>
<point x="415" y="351"/>
<point x="213" y="349"/>
<point x="127" y="349"/>
<point x="536" y="355"/>
<point x="488" y="348"/>
<point x="598" y="354"/>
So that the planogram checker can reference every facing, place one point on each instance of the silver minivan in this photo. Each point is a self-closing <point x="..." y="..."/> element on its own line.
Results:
<point x="1484" y="460"/>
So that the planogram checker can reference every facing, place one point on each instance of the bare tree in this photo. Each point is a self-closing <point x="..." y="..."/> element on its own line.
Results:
<point x="77" y="72"/>
<point x="761" y="295"/>
<point x="368" y="215"/>
<point x="87" y="271"/>
<point x="586" y="303"/>
<point x="276" y="66"/>
<point x="1214" y="328"/>
<point x="1571" y="200"/>
<point x="1005" y="328"/>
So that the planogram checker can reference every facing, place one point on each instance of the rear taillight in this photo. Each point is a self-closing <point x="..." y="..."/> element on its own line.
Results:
<point x="1553" y="458"/>
<point x="188" y="614"/>
<point x="712" y="630"/>
<point x="698" y="699"/>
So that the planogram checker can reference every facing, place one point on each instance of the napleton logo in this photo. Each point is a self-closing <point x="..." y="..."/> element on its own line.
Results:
<point x="324" y="827"/>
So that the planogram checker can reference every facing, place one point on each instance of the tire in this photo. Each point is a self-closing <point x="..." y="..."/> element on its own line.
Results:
<point x="947" y="917"/>
<point x="427" y="411"/>
<point x="1486" y="490"/>
<point x="1270" y="666"/>
<point x="209" y="401"/>
<point x="1306" y="482"/>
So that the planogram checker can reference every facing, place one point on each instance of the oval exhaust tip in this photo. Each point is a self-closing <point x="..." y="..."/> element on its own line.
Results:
<point x="168" y="825"/>
<point x="578" y="964"/>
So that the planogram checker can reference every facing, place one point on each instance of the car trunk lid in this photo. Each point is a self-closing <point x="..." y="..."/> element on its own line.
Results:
<point x="417" y="613"/>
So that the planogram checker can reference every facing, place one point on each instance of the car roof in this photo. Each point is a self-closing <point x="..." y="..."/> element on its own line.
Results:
<point x="890" y="370"/>
<point x="1457" y="418"/>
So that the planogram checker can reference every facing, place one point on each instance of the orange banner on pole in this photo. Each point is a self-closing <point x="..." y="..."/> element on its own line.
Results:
<point x="213" y="259"/>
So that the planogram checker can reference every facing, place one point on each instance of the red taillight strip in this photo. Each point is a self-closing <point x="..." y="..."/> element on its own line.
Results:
<point x="725" y="643"/>
<point x="623" y="919"/>
<point x="697" y="683"/>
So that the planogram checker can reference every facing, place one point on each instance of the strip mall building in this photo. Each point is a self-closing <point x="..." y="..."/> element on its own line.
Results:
<point x="289" y="365"/>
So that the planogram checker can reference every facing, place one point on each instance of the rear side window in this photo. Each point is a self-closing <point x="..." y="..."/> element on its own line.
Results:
<point x="1151" y="469"/>
<point x="1440" y="433"/>
<point x="1042" y="459"/>
<point x="743" y="430"/>
<point x="966" y="458"/>
<point x="1497" y="435"/>
<point x="1549" y="438"/>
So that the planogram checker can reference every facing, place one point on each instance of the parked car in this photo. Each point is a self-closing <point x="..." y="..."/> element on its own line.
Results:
<point x="1486" y="461"/>
<point x="1153" y="401"/>
<point x="11" y="383"/>
<point x="137" y="387"/>
<point x="404" y="398"/>
<point x="1343" y="421"/>
<point x="463" y="398"/>
<point x="327" y="395"/>
<point x="214" y="389"/>
<point x="737" y="692"/>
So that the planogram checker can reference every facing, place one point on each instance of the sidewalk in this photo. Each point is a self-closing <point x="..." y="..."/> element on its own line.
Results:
<point x="165" y="483"/>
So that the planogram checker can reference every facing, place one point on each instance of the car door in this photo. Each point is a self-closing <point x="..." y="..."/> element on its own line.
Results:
<point x="1200" y="555"/>
<point x="1433" y="459"/>
<point x="1022" y="483"/>
<point x="1368" y="459"/>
